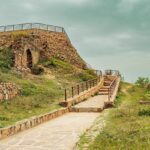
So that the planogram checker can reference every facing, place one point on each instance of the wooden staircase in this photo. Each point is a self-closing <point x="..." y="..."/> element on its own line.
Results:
<point x="104" y="90"/>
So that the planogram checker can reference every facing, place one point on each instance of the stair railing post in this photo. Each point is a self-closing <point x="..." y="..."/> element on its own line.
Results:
<point x="108" y="94"/>
<point x="83" y="87"/>
<point x="90" y="83"/>
<point x="65" y="94"/>
<point x="97" y="72"/>
<point x="78" y="89"/>
<point x="72" y="91"/>
<point x="86" y="85"/>
<point x="99" y="77"/>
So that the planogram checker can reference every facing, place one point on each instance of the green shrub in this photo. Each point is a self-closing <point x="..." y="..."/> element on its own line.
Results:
<point x="59" y="65"/>
<point x="2" y="118"/>
<point x="6" y="61"/>
<point x="148" y="87"/>
<point x="144" y="112"/>
<point x="84" y="76"/>
<point x="37" y="70"/>
<point x="90" y="72"/>
<point x="142" y="81"/>
<point x="28" y="89"/>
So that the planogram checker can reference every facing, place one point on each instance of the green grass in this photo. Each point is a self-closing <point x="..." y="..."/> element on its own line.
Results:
<point x="69" y="71"/>
<point x="128" y="125"/>
<point x="39" y="94"/>
<point x="6" y="59"/>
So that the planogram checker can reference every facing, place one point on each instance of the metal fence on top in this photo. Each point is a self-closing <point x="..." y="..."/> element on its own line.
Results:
<point x="28" y="26"/>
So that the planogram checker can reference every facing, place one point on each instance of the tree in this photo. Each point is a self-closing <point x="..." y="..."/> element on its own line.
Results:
<point x="142" y="81"/>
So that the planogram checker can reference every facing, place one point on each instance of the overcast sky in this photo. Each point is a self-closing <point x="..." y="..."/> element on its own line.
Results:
<point x="108" y="34"/>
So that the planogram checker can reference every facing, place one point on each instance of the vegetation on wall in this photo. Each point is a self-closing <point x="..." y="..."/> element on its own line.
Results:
<point x="17" y="35"/>
<point x="6" y="61"/>
<point x="71" y="71"/>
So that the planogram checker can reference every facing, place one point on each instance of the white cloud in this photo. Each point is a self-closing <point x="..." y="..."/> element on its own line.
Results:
<point x="123" y="35"/>
<point x="103" y="42"/>
<point x="76" y="2"/>
<point x="28" y="6"/>
<point x="127" y="5"/>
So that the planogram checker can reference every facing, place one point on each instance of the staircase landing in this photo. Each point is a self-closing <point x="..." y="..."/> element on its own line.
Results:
<point x="93" y="104"/>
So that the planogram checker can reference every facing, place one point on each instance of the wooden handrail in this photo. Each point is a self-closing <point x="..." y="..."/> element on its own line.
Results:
<point x="111" y="88"/>
<point x="81" y="87"/>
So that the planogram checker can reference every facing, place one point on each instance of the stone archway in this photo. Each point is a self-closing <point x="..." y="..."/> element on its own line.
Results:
<point x="29" y="59"/>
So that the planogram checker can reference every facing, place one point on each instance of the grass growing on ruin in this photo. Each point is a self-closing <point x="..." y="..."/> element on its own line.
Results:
<point x="69" y="71"/>
<point x="5" y="59"/>
<point x="128" y="126"/>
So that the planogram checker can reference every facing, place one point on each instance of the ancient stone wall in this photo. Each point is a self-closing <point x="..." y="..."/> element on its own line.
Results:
<point x="42" y="45"/>
<point x="8" y="91"/>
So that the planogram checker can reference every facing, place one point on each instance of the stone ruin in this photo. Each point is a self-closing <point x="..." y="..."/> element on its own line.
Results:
<point x="33" y="45"/>
<point x="8" y="91"/>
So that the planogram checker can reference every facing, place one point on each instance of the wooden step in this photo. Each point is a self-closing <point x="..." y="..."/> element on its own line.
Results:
<point x="86" y="109"/>
<point x="105" y="87"/>
<point x="107" y="84"/>
<point x="103" y="90"/>
<point x="103" y="93"/>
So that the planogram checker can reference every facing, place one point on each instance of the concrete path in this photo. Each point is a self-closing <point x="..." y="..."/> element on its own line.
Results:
<point x="61" y="133"/>
<point x="95" y="103"/>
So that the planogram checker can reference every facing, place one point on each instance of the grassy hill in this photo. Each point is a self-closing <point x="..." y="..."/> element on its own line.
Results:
<point x="41" y="91"/>
<point x="127" y="125"/>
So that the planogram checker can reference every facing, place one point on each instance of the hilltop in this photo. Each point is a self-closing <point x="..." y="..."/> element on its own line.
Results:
<point x="42" y="63"/>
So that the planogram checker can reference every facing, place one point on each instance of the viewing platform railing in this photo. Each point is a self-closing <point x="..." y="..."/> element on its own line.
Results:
<point x="112" y="72"/>
<point x="29" y="26"/>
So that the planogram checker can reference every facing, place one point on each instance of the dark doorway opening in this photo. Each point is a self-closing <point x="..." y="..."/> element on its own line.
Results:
<point x="29" y="59"/>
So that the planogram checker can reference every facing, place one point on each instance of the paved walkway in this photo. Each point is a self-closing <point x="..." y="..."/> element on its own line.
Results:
<point x="93" y="102"/>
<point x="61" y="133"/>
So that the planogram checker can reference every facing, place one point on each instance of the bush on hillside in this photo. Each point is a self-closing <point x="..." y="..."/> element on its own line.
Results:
<point x="142" y="81"/>
<point x="148" y="86"/>
<point x="84" y="76"/>
<point x="144" y="112"/>
<point x="37" y="70"/>
<point x="6" y="61"/>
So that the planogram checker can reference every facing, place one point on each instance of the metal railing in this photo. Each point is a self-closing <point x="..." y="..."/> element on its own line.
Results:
<point x="28" y="26"/>
<point x="81" y="87"/>
<point x="112" y="72"/>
